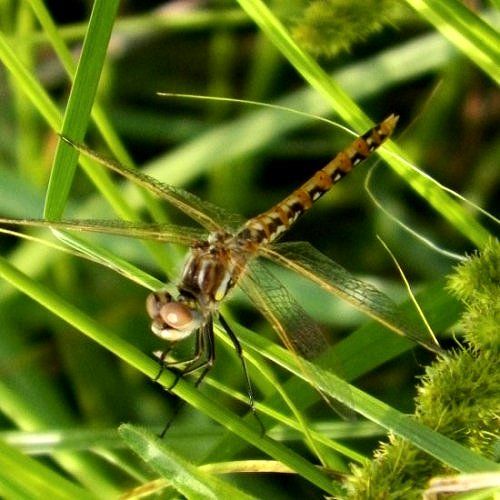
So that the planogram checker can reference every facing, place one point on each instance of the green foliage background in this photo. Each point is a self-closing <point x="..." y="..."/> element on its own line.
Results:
<point x="62" y="395"/>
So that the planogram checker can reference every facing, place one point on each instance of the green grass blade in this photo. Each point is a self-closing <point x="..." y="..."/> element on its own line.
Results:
<point x="188" y="479"/>
<point x="437" y="445"/>
<point x="465" y="30"/>
<point x="80" y="104"/>
<point x="55" y="37"/>
<point x="28" y="84"/>
<point x="24" y="477"/>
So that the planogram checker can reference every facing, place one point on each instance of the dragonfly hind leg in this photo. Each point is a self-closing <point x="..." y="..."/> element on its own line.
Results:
<point x="239" y="351"/>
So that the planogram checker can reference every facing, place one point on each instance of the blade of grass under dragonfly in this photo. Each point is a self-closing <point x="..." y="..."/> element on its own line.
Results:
<point x="444" y="449"/>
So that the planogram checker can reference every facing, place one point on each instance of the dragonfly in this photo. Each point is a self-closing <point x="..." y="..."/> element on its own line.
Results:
<point x="228" y="251"/>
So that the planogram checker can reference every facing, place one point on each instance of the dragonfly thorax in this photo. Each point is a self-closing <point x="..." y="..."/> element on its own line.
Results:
<point x="210" y="272"/>
<point x="212" y="269"/>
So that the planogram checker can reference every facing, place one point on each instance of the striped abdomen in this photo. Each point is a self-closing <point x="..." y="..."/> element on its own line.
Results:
<point x="267" y="226"/>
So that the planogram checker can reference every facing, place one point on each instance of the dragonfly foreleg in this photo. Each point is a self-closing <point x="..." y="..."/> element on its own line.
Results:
<point x="204" y="355"/>
<point x="163" y="364"/>
<point x="203" y="359"/>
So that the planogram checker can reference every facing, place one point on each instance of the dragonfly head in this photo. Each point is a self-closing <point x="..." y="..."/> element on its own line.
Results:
<point x="173" y="320"/>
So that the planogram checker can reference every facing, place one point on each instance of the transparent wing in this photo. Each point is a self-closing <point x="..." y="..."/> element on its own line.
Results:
<point x="161" y="232"/>
<point x="298" y="331"/>
<point x="205" y="213"/>
<point x="303" y="258"/>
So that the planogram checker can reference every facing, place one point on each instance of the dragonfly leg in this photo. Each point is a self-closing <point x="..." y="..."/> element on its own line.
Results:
<point x="239" y="351"/>
<point x="205" y="345"/>
<point x="170" y="366"/>
<point x="209" y="347"/>
<point x="204" y="356"/>
<point x="179" y="403"/>
<point x="199" y="360"/>
<point x="163" y="363"/>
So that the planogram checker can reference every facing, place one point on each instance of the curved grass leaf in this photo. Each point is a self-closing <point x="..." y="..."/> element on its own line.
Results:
<point x="437" y="445"/>
<point x="80" y="104"/>
<point x="186" y="478"/>
<point x="465" y="30"/>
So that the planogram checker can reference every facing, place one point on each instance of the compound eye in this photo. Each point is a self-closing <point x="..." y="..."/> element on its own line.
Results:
<point x="155" y="301"/>
<point x="178" y="316"/>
